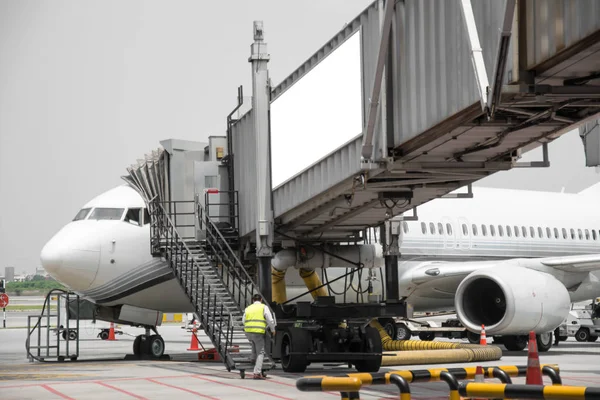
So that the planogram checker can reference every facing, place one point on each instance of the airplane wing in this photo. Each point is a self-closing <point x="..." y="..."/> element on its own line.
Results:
<point x="583" y="263"/>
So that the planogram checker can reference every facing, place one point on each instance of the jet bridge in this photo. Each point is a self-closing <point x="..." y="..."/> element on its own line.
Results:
<point x="450" y="92"/>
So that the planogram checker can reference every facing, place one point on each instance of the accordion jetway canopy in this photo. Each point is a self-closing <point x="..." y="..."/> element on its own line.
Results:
<point x="450" y="93"/>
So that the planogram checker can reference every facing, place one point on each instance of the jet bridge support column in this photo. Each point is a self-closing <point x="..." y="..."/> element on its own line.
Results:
<point x="391" y="242"/>
<point x="260" y="108"/>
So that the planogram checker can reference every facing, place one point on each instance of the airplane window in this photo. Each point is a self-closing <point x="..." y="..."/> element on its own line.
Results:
<point x="508" y="231"/>
<point x="516" y="231"/>
<point x="82" y="214"/>
<point x="492" y="230"/>
<point x="474" y="228"/>
<point x="540" y="233"/>
<point x="548" y="233"/>
<point x="423" y="228"/>
<point x="572" y="233"/>
<point x="449" y="229"/>
<point x="594" y="234"/>
<point x="465" y="230"/>
<point x="432" y="228"/>
<point x="107" y="213"/>
<point x="440" y="229"/>
<point x="531" y="232"/>
<point x="555" y="233"/>
<point x="483" y="230"/>
<point x="500" y="230"/>
<point x="587" y="234"/>
<point x="579" y="234"/>
<point x="146" y="216"/>
<point x="564" y="232"/>
<point x="524" y="231"/>
<point x="133" y="216"/>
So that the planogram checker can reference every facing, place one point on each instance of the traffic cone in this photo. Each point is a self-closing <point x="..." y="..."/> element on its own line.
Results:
<point x="479" y="377"/>
<point x="111" y="332"/>
<point x="194" y="342"/>
<point x="483" y="338"/>
<point x="534" y="372"/>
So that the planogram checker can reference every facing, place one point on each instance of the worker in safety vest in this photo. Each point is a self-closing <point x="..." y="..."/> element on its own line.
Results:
<point x="256" y="319"/>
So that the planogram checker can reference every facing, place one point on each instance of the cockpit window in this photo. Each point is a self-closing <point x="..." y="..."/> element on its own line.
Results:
<point x="107" y="213"/>
<point x="82" y="214"/>
<point x="133" y="216"/>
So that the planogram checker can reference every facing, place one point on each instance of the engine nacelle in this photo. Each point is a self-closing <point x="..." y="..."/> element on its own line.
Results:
<point x="511" y="300"/>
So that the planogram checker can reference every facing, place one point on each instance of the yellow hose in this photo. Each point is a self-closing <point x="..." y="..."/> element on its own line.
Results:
<point x="278" y="286"/>
<point x="410" y="351"/>
<point x="312" y="280"/>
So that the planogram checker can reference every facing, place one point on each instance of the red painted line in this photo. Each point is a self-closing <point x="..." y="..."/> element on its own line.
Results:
<point x="242" y="387"/>
<point x="121" y="390"/>
<point x="56" y="392"/>
<point x="96" y="381"/>
<point x="184" y="389"/>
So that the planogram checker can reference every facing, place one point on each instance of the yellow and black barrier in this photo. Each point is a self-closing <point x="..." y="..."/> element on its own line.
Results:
<point x="348" y="386"/>
<point x="509" y="391"/>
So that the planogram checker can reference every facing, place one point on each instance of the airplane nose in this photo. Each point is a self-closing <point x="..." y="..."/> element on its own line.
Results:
<point x="51" y="259"/>
<point x="72" y="256"/>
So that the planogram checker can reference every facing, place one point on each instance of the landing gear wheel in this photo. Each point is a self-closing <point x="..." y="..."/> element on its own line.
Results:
<point x="582" y="335"/>
<point x="390" y="327"/>
<point x="427" y="336"/>
<point x="515" y="343"/>
<point x="593" y="338"/>
<point x="473" y="337"/>
<point x="544" y="341"/>
<point x="296" y="342"/>
<point x="403" y="332"/>
<point x="371" y="344"/>
<point x="137" y="345"/>
<point x="156" y="346"/>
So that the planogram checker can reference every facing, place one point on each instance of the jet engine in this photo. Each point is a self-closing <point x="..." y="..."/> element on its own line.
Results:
<point x="511" y="300"/>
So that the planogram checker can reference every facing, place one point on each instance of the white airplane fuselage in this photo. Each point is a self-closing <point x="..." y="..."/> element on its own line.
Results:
<point x="104" y="254"/>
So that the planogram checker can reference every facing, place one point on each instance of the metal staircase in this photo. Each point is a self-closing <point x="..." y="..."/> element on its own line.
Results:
<point x="214" y="279"/>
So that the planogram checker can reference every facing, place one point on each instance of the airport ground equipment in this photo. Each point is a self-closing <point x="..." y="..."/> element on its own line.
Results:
<point x="580" y="324"/>
<point x="415" y="145"/>
<point x="54" y="334"/>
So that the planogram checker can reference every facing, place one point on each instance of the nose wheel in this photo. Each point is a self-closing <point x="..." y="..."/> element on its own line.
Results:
<point x="149" y="346"/>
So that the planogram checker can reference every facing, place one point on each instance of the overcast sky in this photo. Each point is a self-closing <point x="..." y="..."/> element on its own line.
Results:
<point x="88" y="87"/>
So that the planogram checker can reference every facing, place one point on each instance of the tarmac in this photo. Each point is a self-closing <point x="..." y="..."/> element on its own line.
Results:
<point x="102" y="373"/>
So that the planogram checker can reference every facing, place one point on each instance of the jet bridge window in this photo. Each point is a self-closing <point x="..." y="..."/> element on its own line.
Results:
<point x="82" y="214"/>
<point x="107" y="214"/>
<point x="134" y="216"/>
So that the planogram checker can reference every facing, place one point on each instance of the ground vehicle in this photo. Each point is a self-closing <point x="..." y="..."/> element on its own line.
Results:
<point x="581" y="325"/>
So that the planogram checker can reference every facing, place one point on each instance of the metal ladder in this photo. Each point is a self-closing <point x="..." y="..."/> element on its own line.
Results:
<point x="216" y="283"/>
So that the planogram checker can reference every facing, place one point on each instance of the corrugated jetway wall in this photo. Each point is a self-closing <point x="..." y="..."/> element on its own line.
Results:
<point x="590" y="134"/>
<point x="430" y="125"/>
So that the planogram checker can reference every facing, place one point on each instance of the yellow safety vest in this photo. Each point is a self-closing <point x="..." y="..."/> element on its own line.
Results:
<point x="255" y="319"/>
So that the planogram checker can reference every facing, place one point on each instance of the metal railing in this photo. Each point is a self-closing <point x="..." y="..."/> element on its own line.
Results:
<point x="216" y="322"/>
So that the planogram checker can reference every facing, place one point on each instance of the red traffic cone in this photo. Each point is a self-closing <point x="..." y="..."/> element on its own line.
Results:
<point x="111" y="332"/>
<point x="483" y="338"/>
<point x="194" y="342"/>
<point x="479" y="377"/>
<point x="534" y="372"/>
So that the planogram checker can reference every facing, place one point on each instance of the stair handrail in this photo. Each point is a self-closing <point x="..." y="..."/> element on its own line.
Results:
<point x="210" y="328"/>
<point x="240" y="267"/>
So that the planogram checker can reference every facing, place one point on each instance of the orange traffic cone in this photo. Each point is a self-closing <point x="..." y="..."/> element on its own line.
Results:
<point x="194" y="342"/>
<point x="479" y="377"/>
<point x="111" y="332"/>
<point x="534" y="372"/>
<point x="483" y="338"/>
